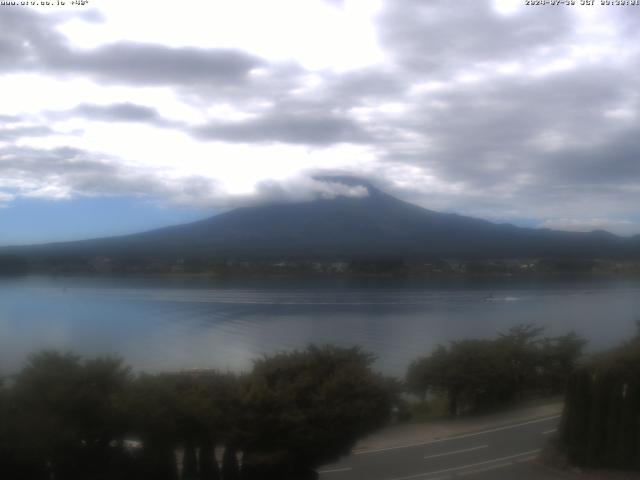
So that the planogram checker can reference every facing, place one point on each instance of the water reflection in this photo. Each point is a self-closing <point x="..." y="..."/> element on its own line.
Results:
<point x="159" y="324"/>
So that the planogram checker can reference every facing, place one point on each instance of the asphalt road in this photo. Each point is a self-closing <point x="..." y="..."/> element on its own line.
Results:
<point x="502" y="452"/>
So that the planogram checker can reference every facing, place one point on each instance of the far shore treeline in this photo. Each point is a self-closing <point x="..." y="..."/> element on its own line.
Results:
<point x="363" y="265"/>
<point x="69" y="418"/>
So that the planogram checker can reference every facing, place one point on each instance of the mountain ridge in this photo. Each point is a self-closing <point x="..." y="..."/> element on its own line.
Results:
<point x="376" y="224"/>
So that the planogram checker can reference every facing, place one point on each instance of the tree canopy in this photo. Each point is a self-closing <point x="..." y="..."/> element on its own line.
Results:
<point x="482" y="374"/>
<point x="302" y="409"/>
<point x="69" y="418"/>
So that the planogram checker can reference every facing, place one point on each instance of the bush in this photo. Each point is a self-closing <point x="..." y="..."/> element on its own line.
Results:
<point x="478" y="375"/>
<point x="69" y="418"/>
<point x="303" y="409"/>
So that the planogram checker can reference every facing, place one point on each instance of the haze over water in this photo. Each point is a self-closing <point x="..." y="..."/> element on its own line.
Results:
<point x="170" y="324"/>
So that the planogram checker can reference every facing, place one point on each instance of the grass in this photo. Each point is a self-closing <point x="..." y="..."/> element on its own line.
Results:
<point x="435" y="408"/>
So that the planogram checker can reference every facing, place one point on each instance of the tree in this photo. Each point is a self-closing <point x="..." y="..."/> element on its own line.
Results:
<point x="306" y="408"/>
<point x="428" y="373"/>
<point x="483" y="374"/>
<point x="152" y="406"/>
<point x="206" y="404"/>
<point x="68" y="415"/>
<point x="230" y="467"/>
<point x="520" y="353"/>
<point x="559" y="359"/>
<point x="472" y="373"/>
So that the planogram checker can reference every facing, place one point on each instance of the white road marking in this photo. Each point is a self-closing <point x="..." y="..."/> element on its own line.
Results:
<point x="475" y="471"/>
<point x="335" y="470"/>
<point x="456" y="451"/>
<point x="486" y="469"/>
<point x="457" y="437"/>
<point x="548" y="432"/>
<point x="470" y="465"/>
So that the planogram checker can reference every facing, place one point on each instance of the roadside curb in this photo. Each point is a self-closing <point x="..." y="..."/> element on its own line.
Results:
<point x="411" y="435"/>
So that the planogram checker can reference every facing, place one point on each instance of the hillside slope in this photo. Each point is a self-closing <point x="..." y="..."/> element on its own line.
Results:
<point x="376" y="224"/>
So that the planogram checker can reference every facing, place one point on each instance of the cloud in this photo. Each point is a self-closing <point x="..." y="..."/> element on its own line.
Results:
<point x="65" y="172"/>
<point x="14" y="133"/>
<point x="621" y="227"/>
<point x="91" y="16"/>
<point x="31" y="43"/>
<point x="117" y="112"/>
<point x="436" y="38"/>
<point x="149" y="64"/>
<point x="526" y="114"/>
<point x="311" y="128"/>
<point x="304" y="188"/>
<point x="8" y="119"/>
<point x="127" y="112"/>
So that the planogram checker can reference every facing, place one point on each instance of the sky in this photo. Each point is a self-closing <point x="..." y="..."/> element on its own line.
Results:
<point x="119" y="116"/>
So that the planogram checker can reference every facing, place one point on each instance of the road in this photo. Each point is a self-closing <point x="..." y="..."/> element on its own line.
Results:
<point x="501" y="452"/>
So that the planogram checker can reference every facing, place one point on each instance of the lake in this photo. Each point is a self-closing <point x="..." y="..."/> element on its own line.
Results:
<point x="169" y="324"/>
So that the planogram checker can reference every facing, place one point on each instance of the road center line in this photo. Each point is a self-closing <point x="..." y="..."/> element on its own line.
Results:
<point x="465" y="467"/>
<point x="456" y="451"/>
<point x="457" y="437"/>
<point x="548" y="432"/>
<point x="335" y="470"/>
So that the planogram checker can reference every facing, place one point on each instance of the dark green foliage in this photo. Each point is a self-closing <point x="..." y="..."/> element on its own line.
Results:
<point x="190" y="462"/>
<point x="558" y="357"/>
<point x="67" y="413"/>
<point x="306" y="408"/>
<point x="482" y="374"/>
<point x="68" y="418"/>
<point x="207" y="463"/>
<point x="601" y="422"/>
<point x="602" y="389"/>
<point x="575" y="421"/>
<point x="230" y="467"/>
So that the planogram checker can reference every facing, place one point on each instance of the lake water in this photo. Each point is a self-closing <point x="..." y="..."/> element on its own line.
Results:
<point x="169" y="324"/>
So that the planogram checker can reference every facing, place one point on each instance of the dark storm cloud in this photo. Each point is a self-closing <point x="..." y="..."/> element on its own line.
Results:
<point x="311" y="128"/>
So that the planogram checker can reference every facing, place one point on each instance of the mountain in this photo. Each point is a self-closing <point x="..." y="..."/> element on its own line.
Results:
<point x="341" y="227"/>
